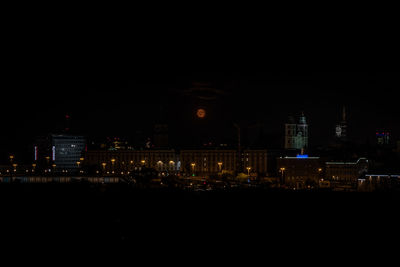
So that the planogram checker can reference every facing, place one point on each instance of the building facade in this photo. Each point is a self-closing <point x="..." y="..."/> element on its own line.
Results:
<point x="255" y="161"/>
<point x="130" y="160"/>
<point x="208" y="162"/>
<point x="346" y="174"/>
<point x="296" y="133"/>
<point x="382" y="138"/>
<point x="57" y="153"/>
<point x="300" y="172"/>
<point x="67" y="150"/>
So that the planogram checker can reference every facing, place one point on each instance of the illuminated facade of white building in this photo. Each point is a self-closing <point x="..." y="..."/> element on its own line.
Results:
<point x="296" y="134"/>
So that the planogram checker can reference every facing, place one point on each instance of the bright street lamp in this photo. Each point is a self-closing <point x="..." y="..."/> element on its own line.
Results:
<point x="282" y="170"/>
<point x="193" y="166"/>
<point x="248" y="170"/>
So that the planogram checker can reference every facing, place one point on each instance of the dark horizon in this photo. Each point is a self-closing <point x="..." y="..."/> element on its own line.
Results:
<point x="107" y="104"/>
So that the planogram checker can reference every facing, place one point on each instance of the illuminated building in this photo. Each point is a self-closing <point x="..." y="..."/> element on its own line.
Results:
<point x="208" y="162"/>
<point x="131" y="160"/>
<point x="341" y="127"/>
<point x="300" y="172"/>
<point x="58" y="152"/>
<point x="67" y="151"/>
<point x="382" y="137"/>
<point x="296" y="134"/>
<point x="256" y="160"/>
<point x="346" y="174"/>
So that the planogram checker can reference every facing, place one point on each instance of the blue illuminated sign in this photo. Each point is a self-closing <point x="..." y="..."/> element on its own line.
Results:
<point x="302" y="156"/>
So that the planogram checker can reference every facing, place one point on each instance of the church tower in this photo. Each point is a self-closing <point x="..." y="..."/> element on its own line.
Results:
<point x="302" y="133"/>
<point x="290" y="134"/>
<point x="341" y="127"/>
<point x="296" y="134"/>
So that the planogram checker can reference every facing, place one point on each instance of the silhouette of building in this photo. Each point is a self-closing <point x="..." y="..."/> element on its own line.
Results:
<point x="296" y="134"/>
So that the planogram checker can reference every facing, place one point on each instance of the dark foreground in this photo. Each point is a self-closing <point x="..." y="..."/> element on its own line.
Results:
<point x="116" y="214"/>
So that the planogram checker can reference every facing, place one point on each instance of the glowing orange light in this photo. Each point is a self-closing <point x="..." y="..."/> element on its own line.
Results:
<point x="201" y="113"/>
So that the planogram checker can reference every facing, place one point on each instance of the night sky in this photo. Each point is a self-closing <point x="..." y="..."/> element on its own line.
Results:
<point x="105" y="102"/>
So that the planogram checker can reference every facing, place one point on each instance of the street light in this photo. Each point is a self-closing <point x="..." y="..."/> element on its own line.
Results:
<point x="193" y="166"/>
<point x="248" y="170"/>
<point x="282" y="172"/>
<point x="15" y="167"/>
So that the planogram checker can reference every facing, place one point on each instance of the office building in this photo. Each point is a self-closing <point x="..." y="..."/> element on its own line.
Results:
<point x="66" y="151"/>
<point x="57" y="153"/>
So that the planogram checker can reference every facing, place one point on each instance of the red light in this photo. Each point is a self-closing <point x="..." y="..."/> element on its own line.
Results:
<point x="67" y="116"/>
<point x="204" y="183"/>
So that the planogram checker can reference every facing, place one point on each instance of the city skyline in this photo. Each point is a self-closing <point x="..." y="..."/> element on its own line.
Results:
<point x="123" y="105"/>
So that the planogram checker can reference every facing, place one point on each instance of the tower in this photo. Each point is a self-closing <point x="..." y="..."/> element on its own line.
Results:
<point x="341" y="127"/>
<point x="290" y="134"/>
<point x="302" y="133"/>
<point x="296" y="134"/>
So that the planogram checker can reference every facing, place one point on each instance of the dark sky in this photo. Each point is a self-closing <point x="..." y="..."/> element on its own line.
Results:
<point x="104" y="101"/>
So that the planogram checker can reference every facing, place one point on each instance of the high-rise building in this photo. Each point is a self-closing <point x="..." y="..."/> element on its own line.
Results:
<point x="67" y="151"/>
<point x="341" y="127"/>
<point x="296" y="134"/>
<point x="59" y="152"/>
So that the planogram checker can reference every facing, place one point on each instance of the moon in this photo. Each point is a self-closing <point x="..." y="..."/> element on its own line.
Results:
<point x="201" y="113"/>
